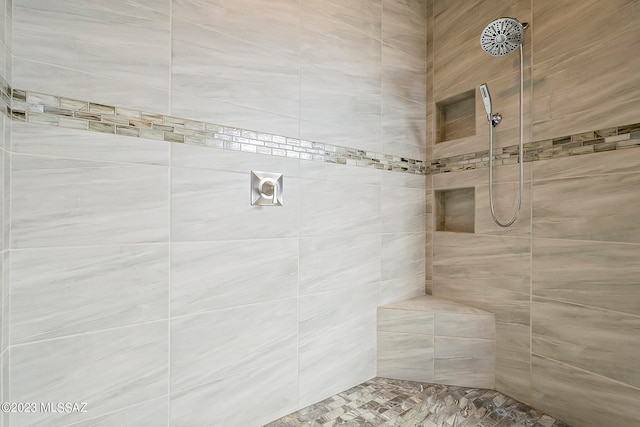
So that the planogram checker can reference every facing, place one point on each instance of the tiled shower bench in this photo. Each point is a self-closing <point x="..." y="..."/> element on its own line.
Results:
<point x="438" y="341"/>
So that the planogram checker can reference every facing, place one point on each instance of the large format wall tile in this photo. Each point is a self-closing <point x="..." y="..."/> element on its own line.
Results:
<point x="464" y="361"/>
<point x="208" y="276"/>
<point x="404" y="26"/>
<point x="340" y="94"/>
<point x="210" y="66"/>
<point x="508" y="306"/>
<point x="79" y="85"/>
<point x="456" y="30"/>
<point x="405" y="321"/>
<point x="212" y="346"/>
<point x="593" y="208"/>
<point x="108" y="370"/>
<point x="340" y="173"/>
<point x="330" y="208"/>
<point x="600" y="341"/>
<point x="603" y="93"/>
<point x="403" y="210"/>
<point x="400" y="289"/>
<point x="405" y="76"/>
<point x="558" y="33"/>
<point x="403" y="255"/>
<point x="126" y="40"/>
<point x="335" y="262"/>
<point x="582" y="398"/>
<point x="580" y="166"/>
<point x="337" y="316"/>
<point x="331" y="369"/>
<point x="337" y="344"/>
<point x="405" y="356"/>
<point x="61" y="142"/>
<point x="275" y="26"/>
<point x="229" y="114"/>
<point x="404" y="127"/>
<point x="513" y="360"/>
<point x="505" y="200"/>
<point x="212" y="205"/>
<point x="196" y="157"/>
<point x="232" y="401"/>
<point x="363" y="15"/>
<point x="598" y="274"/>
<point x="73" y="202"/>
<point x="66" y="291"/>
<point x="499" y="262"/>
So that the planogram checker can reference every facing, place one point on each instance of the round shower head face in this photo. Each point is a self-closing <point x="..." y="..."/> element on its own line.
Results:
<point x="502" y="36"/>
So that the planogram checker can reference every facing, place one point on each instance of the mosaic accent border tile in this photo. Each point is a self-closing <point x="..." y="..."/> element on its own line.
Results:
<point x="388" y="402"/>
<point x="44" y="109"/>
<point x="38" y="108"/>
<point x="597" y="141"/>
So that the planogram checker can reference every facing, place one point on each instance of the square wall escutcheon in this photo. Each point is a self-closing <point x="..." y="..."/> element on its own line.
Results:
<point x="266" y="188"/>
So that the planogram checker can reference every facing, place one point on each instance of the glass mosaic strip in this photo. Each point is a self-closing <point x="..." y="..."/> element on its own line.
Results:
<point x="39" y="108"/>
<point x="615" y="138"/>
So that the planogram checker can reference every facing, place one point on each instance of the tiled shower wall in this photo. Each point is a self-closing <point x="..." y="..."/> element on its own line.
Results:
<point x="142" y="282"/>
<point x="5" y="136"/>
<point x="563" y="281"/>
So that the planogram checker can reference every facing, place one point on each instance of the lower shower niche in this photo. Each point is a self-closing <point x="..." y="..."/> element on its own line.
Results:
<point x="455" y="210"/>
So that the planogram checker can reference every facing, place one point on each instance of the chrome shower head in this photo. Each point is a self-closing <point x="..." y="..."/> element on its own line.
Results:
<point x="502" y="36"/>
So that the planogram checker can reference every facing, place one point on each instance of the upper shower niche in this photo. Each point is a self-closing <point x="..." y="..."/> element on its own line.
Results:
<point x="456" y="117"/>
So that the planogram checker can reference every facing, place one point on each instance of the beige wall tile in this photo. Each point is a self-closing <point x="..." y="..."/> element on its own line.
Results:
<point x="612" y="162"/>
<point x="558" y="30"/>
<point x="465" y="325"/>
<point x="581" y="398"/>
<point x="402" y="255"/>
<point x="513" y="364"/>
<point x="405" y="321"/>
<point x="403" y="210"/>
<point x="589" y="208"/>
<point x="508" y="306"/>
<point x="497" y="262"/>
<point x="600" y="341"/>
<point x="126" y="41"/>
<point x="405" y="356"/>
<point x="400" y="289"/>
<point x="457" y="28"/>
<point x="464" y="361"/>
<point x="598" y="274"/>
<point x="505" y="202"/>
<point x="592" y="97"/>
<point x="363" y="15"/>
<point x="401" y="74"/>
<point x="403" y="26"/>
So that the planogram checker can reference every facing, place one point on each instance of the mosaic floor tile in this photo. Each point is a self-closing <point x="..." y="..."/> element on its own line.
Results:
<point x="390" y="403"/>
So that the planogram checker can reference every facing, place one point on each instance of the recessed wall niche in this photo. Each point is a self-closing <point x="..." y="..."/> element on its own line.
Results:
<point x="455" y="210"/>
<point x="456" y="117"/>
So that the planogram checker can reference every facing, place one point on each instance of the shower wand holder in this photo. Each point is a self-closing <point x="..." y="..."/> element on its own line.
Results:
<point x="495" y="119"/>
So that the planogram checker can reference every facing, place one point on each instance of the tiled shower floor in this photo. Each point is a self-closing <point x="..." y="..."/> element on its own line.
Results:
<point x="387" y="402"/>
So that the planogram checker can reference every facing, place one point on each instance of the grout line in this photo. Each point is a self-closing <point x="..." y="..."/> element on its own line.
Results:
<point x="82" y="334"/>
<point x="170" y="228"/>
<point x="585" y="371"/>
<point x="576" y="304"/>
<point x="89" y="73"/>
